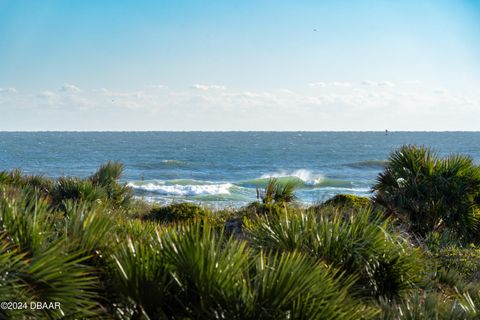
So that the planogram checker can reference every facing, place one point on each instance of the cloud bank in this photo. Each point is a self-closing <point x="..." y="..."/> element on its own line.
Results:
<point x="320" y="105"/>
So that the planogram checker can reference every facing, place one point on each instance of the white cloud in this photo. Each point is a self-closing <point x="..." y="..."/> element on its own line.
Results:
<point x="318" y="84"/>
<point x="441" y="91"/>
<point x="47" y="94"/>
<point x="213" y="107"/>
<point x="127" y="99"/>
<point x="412" y="82"/>
<point x="70" y="88"/>
<point x="371" y="83"/>
<point x="323" y="84"/>
<point x="341" y="84"/>
<point x="386" y="84"/>
<point x="158" y="86"/>
<point x="206" y="87"/>
<point x="8" y="90"/>
<point x="48" y="98"/>
<point x="368" y="83"/>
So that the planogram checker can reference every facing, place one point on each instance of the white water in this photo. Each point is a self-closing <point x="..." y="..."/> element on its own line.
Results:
<point x="183" y="190"/>
<point x="306" y="176"/>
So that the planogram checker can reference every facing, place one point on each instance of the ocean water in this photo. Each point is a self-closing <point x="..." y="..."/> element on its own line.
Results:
<point x="223" y="169"/>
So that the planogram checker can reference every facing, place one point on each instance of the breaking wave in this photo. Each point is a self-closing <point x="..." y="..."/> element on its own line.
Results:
<point x="306" y="181"/>
<point x="304" y="178"/>
<point x="182" y="188"/>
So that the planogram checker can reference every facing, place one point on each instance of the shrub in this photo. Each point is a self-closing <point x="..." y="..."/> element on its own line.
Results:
<point x="17" y="179"/>
<point x="432" y="305"/>
<point x="277" y="193"/>
<point x="70" y="188"/>
<point x="107" y="177"/>
<point x="28" y="221"/>
<point x="348" y="201"/>
<point x="193" y="271"/>
<point x="257" y="208"/>
<point x="464" y="261"/>
<point x="102" y="185"/>
<point x="293" y="286"/>
<point x="35" y="265"/>
<point x="431" y="193"/>
<point x="363" y="244"/>
<point x="88" y="228"/>
<point x="176" y="212"/>
<point x="107" y="174"/>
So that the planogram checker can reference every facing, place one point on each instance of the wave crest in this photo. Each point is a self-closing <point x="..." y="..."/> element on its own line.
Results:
<point x="306" y="176"/>
<point x="181" y="189"/>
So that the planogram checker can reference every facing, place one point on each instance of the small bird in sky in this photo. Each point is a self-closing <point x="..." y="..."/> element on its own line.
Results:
<point x="314" y="29"/>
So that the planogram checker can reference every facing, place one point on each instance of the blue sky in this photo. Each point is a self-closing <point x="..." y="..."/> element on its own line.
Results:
<point x="239" y="65"/>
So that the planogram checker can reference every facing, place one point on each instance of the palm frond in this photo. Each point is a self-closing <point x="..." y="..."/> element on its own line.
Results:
<point x="27" y="221"/>
<point x="429" y="192"/>
<point x="278" y="193"/>
<point x="363" y="244"/>
<point x="294" y="286"/>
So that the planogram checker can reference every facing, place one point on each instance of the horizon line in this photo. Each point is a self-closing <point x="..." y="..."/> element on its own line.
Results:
<point x="230" y="131"/>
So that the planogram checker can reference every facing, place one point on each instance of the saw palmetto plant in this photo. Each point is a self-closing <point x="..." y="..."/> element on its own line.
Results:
<point x="430" y="193"/>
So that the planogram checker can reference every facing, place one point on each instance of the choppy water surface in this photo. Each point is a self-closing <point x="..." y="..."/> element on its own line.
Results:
<point x="224" y="168"/>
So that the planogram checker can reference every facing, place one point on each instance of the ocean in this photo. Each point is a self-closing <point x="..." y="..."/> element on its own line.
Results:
<point x="223" y="169"/>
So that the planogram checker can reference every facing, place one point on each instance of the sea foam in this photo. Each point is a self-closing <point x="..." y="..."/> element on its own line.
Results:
<point x="182" y="190"/>
<point x="306" y="176"/>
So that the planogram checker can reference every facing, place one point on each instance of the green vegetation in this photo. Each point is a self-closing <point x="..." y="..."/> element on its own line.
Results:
<point x="348" y="201"/>
<point x="102" y="186"/>
<point x="176" y="212"/>
<point x="364" y="245"/>
<point x="274" y="198"/>
<point x="430" y="193"/>
<point x="409" y="253"/>
<point x="192" y="271"/>
<point x="277" y="193"/>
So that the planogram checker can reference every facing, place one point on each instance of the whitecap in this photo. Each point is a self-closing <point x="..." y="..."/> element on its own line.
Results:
<point x="183" y="190"/>
<point x="306" y="176"/>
